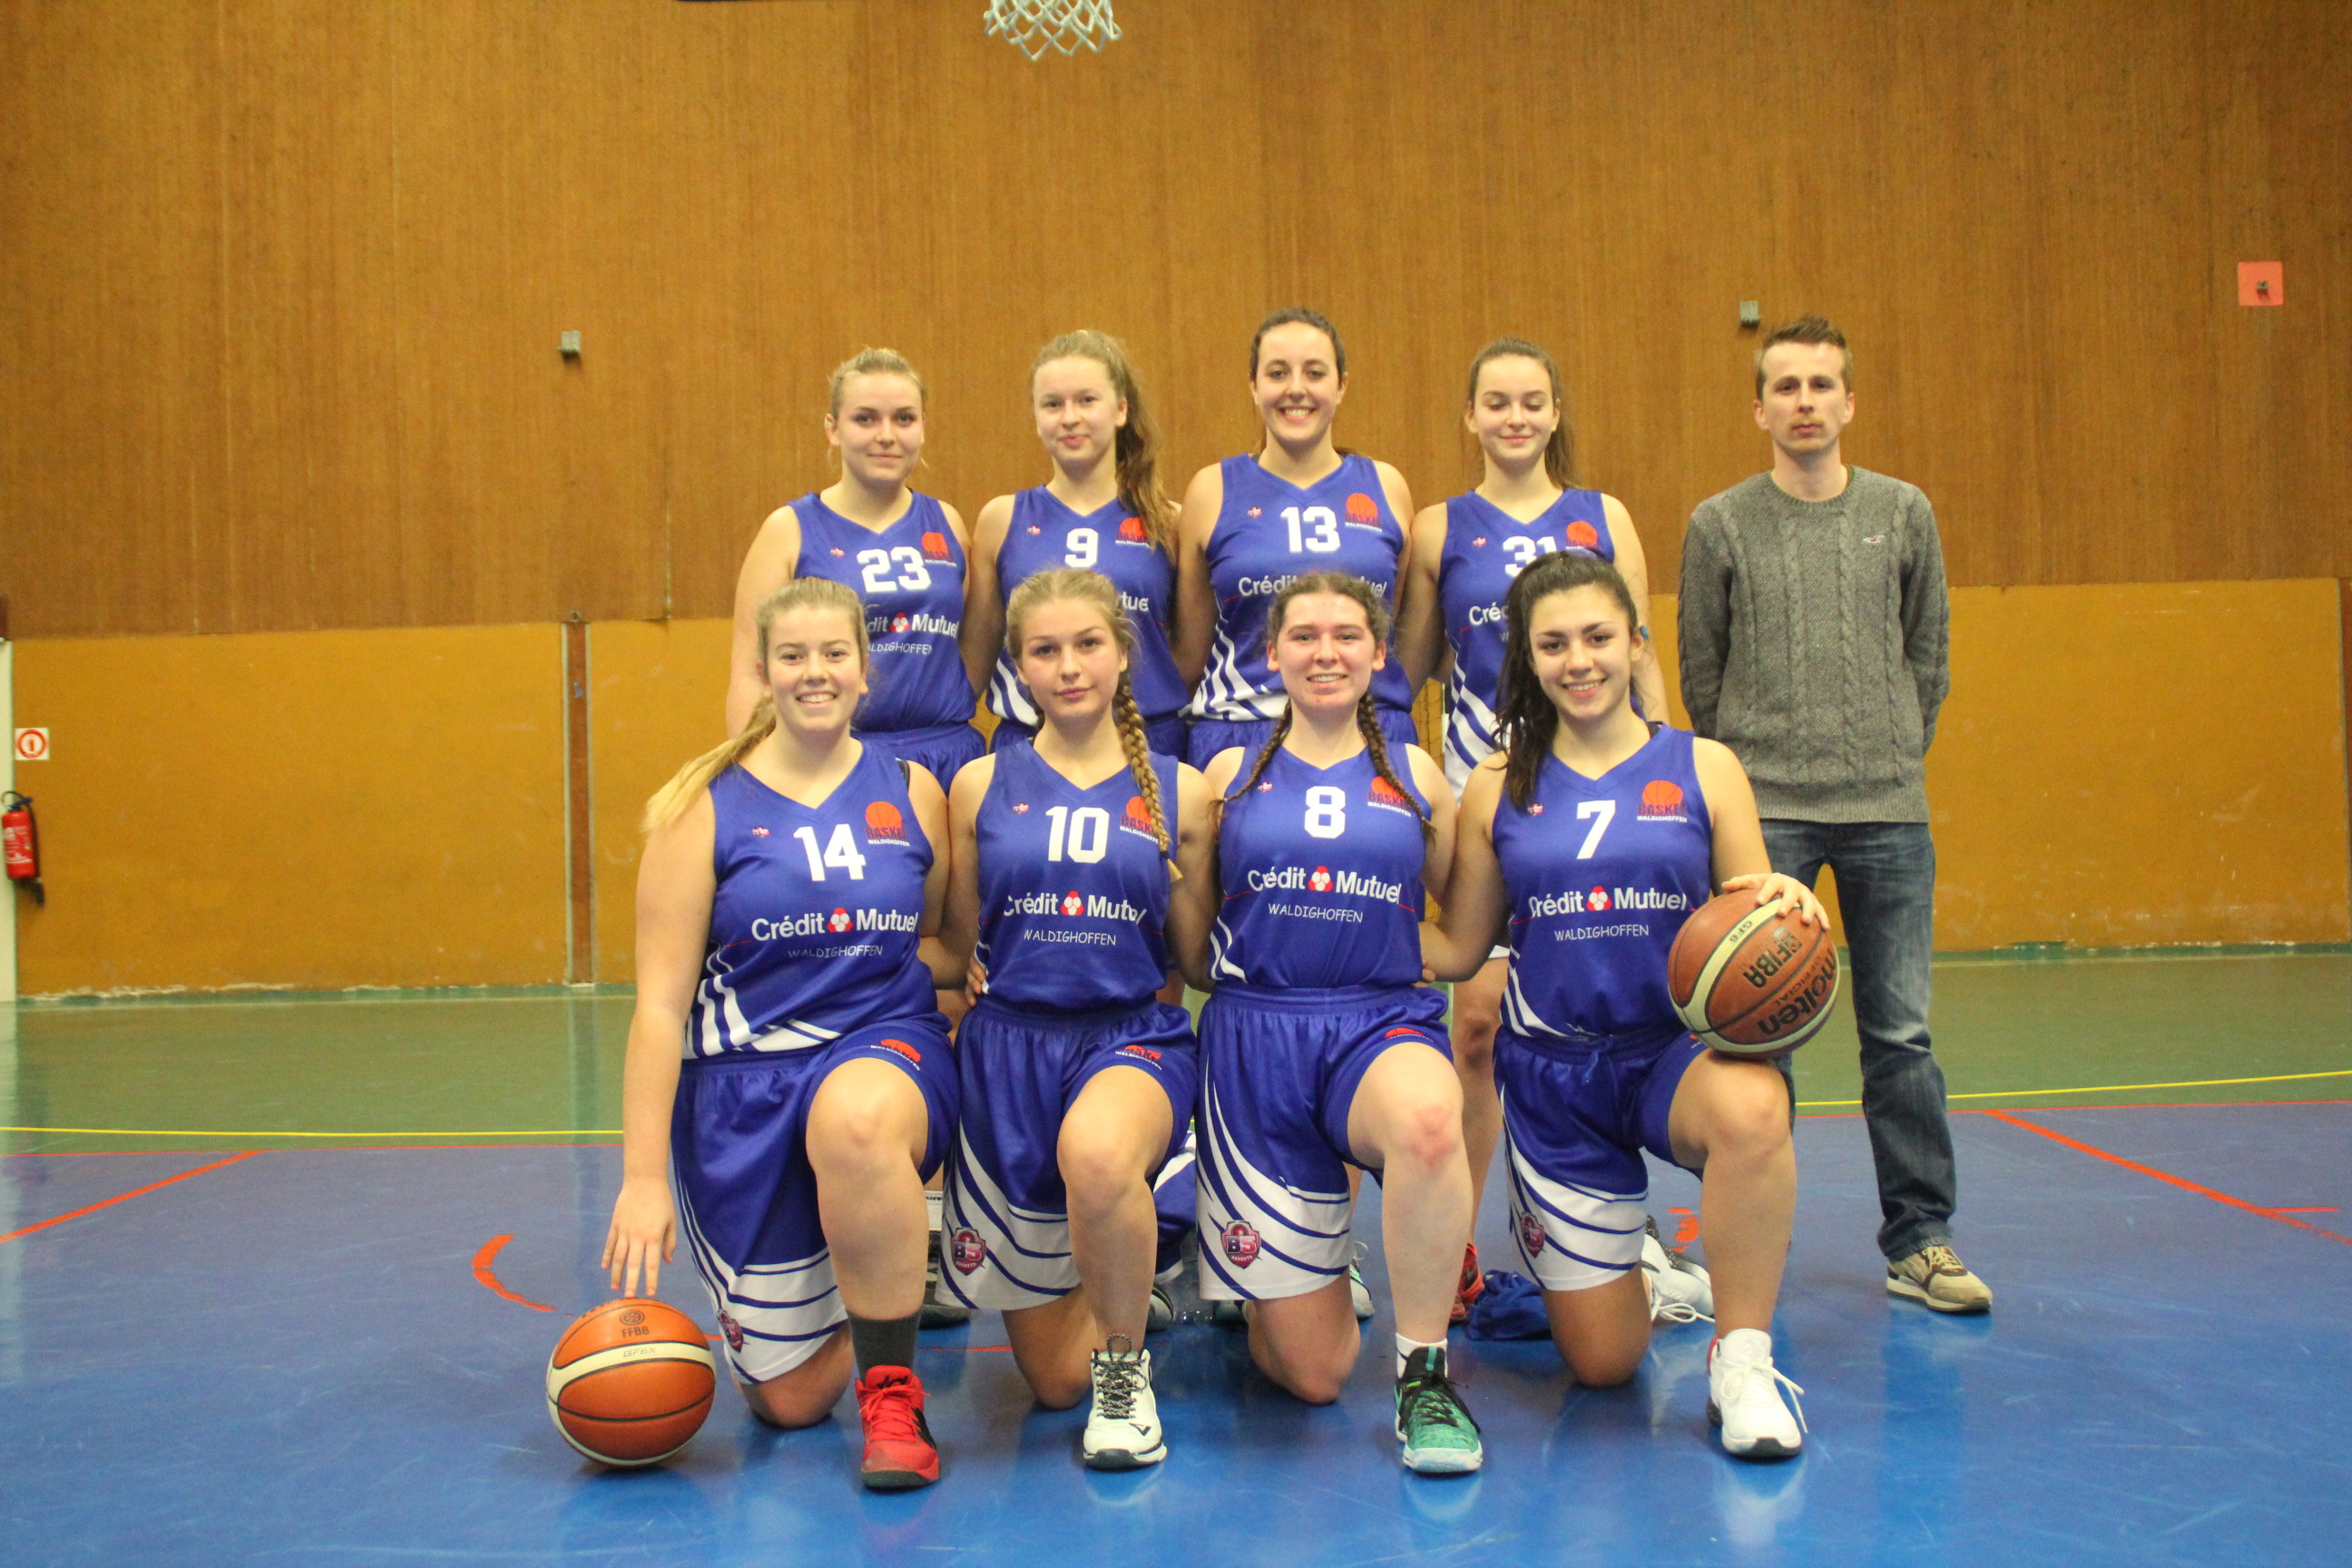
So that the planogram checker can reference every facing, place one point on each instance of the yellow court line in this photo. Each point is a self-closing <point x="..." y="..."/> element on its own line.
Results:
<point x="616" y="1132"/>
<point x="2115" y="1088"/>
<point x="206" y="1133"/>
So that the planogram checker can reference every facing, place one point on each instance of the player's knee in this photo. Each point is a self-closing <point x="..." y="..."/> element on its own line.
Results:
<point x="1314" y="1384"/>
<point x="1602" y="1366"/>
<point x="1429" y="1137"/>
<point x="1750" y="1116"/>
<point x="1097" y="1171"/>
<point x="1472" y="1033"/>
<point x="791" y="1402"/>
<point x="853" y="1131"/>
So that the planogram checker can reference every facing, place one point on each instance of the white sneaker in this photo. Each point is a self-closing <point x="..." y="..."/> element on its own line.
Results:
<point x="1123" y="1428"/>
<point x="1680" y="1290"/>
<point x="1743" y="1397"/>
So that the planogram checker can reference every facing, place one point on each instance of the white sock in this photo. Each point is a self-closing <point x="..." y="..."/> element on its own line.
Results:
<point x="1405" y="1347"/>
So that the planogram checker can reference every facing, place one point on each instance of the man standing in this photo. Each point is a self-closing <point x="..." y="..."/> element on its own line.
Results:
<point x="1813" y="627"/>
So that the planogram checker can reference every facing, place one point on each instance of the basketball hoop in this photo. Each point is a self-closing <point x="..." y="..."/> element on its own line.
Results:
<point x="1032" y="27"/>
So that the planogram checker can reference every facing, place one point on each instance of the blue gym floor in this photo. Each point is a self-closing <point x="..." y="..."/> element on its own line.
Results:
<point x="333" y="1356"/>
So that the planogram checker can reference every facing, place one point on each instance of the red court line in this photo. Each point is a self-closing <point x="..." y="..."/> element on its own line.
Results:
<point x="135" y="1192"/>
<point x="489" y="1281"/>
<point x="2281" y="1215"/>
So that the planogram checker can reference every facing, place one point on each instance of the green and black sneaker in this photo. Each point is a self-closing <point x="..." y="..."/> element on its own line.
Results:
<point x="1439" y="1434"/>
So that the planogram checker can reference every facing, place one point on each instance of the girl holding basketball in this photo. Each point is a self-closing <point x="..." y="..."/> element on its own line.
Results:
<point x="1321" y="1049"/>
<point x="1465" y="553"/>
<point x="789" y="1083"/>
<point x="902" y="551"/>
<point x="1102" y="511"/>
<point x="1081" y="862"/>
<point x="1251" y="524"/>
<point x="1588" y="839"/>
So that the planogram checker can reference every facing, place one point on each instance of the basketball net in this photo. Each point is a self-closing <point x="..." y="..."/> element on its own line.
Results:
<point x="1032" y="27"/>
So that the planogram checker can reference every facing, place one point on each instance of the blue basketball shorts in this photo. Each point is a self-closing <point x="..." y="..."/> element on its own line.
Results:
<point x="1165" y="734"/>
<point x="942" y="749"/>
<point x="747" y="1201"/>
<point x="1004" y="1229"/>
<point x="1279" y="1071"/>
<point x="1575" y="1121"/>
<point x="1211" y="736"/>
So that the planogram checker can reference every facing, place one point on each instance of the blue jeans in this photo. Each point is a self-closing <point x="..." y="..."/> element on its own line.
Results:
<point x="1887" y="895"/>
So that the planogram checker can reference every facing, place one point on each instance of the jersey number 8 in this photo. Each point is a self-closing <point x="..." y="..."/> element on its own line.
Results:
<point x="1327" y="812"/>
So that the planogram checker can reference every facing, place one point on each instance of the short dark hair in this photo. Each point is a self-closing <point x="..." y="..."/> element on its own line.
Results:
<point x="1805" y="330"/>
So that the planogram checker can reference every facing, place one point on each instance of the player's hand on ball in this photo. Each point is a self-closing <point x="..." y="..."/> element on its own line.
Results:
<point x="1793" y="896"/>
<point x="643" y="1237"/>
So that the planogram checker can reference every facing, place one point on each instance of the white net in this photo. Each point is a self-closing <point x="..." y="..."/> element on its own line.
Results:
<point x="1032" y="27"/>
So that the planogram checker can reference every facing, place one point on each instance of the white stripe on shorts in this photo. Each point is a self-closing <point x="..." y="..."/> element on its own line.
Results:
<point x="1589" y="1237"/>
<point x="783" y="1312"/>
<point x="1025" y="1260"/>
<point x="1265" y="1217"/>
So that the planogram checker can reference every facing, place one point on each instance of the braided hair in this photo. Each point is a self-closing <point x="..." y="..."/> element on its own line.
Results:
<point x="1368" y="720"/>
<point x="1094" y="589"/>
<point x="1524" y="715"/>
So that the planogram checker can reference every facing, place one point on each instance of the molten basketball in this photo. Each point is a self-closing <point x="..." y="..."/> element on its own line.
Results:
<point x="1750" y="981"/>
<point x="630" y="1382"/>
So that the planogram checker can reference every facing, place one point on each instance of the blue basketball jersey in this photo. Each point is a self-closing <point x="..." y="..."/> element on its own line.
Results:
<point x="1602" y="873"/>
<point x="911" y="578"/>
<point x="1321" y="869"/>
<point x="1269" y="531"/>
<point x="1073" y="887"/>
<point x="1044" y="535"/>
<point x="1485" y="548"/>
<point x="814" y="924"/>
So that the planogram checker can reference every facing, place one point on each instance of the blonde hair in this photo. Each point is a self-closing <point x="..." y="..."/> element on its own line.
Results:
<point x="874" y="362"/>
<point x="1070" y="584"/>
<point x="1135" y="450"/>
<point x="672" y="800"/>
<point x="1368" y="719"/>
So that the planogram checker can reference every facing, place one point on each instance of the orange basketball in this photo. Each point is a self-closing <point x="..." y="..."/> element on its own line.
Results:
<point x="630" y="1382"/>
<point x="1750" y="981"/>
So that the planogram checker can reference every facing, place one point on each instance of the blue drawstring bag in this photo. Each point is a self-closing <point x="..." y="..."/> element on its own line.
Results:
<point x="1511" y="1308"/>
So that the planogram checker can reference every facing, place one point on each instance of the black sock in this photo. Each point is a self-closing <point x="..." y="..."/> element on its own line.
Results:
<point x="884" y="1342"/>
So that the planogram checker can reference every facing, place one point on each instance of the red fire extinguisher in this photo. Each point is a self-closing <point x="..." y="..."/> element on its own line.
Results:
<point x="20" y="839"/>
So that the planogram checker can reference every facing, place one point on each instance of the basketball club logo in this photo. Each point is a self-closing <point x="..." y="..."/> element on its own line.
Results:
<point x="935" y="547"/>
<point x="1383" y="792"/>
<point x="883" y="825"/>
<point x="1136" y="817"/>
<point x="1583" y="535"/>
<point x="1131" y="531"/>
<point x="1241" y="1244"/>
<point x="1662" y="801"/>
<point x="967" y="1251"/>
<point x="1363" y="512"/>
<point x="904" y="1049"/>
<point x="1531" y="1234"/>
<point x="734" y="1330"/>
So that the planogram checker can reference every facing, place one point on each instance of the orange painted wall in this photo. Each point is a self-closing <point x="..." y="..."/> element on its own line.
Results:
<point x="318" y="809"/>
<point x="386" y="807"/>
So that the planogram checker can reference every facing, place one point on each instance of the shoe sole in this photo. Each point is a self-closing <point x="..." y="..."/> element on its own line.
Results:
<point x="1763" y="1450"/>
<point x="1904" y="1289"/>
<point x="1125" y="1458"/>
<point x="895" y="1480"/>
<point x="1442" y="1461"/>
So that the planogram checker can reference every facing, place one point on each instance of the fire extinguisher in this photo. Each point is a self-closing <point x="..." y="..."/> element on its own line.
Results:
<point x="20" y="837"/>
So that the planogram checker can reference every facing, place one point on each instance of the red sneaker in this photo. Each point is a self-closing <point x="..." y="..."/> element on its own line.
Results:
<point x="899" y="1453"/>
<point x="1473" y="1286"/>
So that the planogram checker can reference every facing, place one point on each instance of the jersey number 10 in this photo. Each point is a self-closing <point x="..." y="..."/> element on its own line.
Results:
<point x="1084" y="832"/>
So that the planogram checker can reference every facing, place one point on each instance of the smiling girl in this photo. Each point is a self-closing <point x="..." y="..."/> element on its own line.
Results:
<point x="787" y="1072"/>
<point x="1586" y="842"/>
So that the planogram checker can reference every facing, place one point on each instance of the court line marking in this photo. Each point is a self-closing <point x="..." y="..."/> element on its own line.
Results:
<point x="125" y="1197"/>
<point x="1996" y="1093"/>
<point x="2283" y="1216"/>
<point x="482" y="1272"/>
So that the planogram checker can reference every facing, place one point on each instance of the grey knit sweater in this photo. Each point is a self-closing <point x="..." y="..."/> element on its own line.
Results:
<point x="1813" y="641"/>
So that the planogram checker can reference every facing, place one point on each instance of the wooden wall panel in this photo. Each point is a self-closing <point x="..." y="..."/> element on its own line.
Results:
<point x="284" y="279"/>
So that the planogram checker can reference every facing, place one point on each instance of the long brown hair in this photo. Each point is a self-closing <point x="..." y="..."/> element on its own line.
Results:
<point x="1135" y="450"/>
<point x="1560" y="452"/>
<point x="1092" y="588"/>
<point x="1368" y="720"/>
<point x="1524" y="715"/>
<point x="670" y="802"/>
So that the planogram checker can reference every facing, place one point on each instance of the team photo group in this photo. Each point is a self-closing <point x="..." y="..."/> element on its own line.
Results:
<point x="878" y="952"/>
